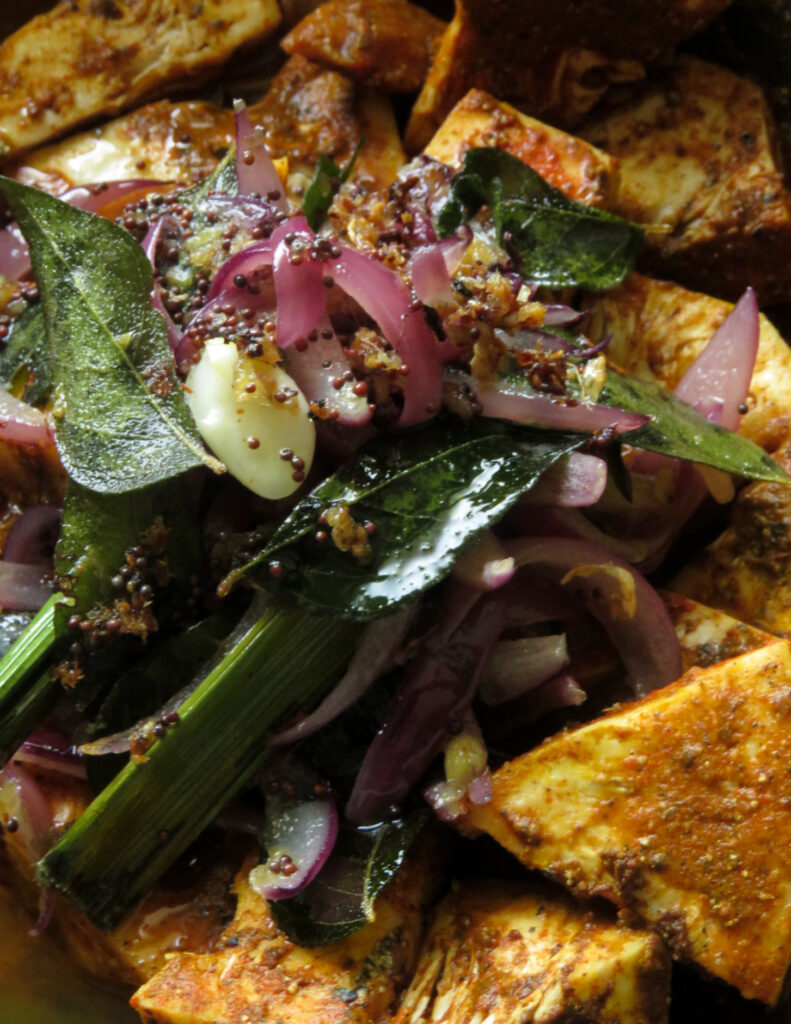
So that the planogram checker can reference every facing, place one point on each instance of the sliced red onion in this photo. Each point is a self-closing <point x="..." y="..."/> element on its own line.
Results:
<point x="374" y="655"/>
<point x="299" y="832"/>
<point x="561" y="692"/>
<point x="323" y="374"/>
<point x="630" y="610"/>
<point x="531" y="601"/>
<point x="93" y="198"/>
<point x="544" y="411"/>
<point x="386" y="299"/>
<point x="255" y="169"/>
<point x="486" y="566"/>
<point x="21" y="798"/>
<point x="246" y="263"/>
<point x="561" y="316"/>
<point x="718" y="381"/>
<point x="576" y="481"/>
<point x="433" y="266"/>
<point x="435" y="693"/>
<point x="51" y="750"/>
<point x="21" y="588"/>
<point x="518" y="666"/>
<point x="46" y="908"/>
<point x="31" y="540"/>
<point x="562" y="522"/>
<point x="151" y="244"/>
<point x="299" y="289"/>
<point x="20" y="423"/>
<point x="14" y="253"/>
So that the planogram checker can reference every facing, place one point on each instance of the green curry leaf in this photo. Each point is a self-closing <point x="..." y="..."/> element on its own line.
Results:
<point x="25" y="366"/>
<point x="322" y="190"/>
<point x="121" y="419"/>
<point x="429" y="494"/>
<point x="678" y="430"/>
<point x="554" y="240"/>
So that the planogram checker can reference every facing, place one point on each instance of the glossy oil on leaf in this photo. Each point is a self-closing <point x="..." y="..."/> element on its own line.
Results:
<point x="678" y="430"/>
<point x="554" y="240"/>
<point x="341" y="898"/>
<point x="428" y="493"/>
<point x="121" y="419"/>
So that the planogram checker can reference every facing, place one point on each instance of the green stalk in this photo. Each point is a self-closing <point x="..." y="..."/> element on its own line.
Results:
<point x="27" y="688"/>
<point x="153" y="809"/>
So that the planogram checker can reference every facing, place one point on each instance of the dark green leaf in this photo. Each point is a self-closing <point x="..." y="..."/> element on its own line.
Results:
<point x="143" y="689"/>
<point x="121" y="418"/>
<point x="679" y="431"/>
<point x="322" y="190"/>
<point x="99" y="529"/>
<point x="341" y="898"/>
<point x="97" y="532"/>
<point x="25" y="366"/>
<point x="429" y="492"/>
<point x="555" y="240"/>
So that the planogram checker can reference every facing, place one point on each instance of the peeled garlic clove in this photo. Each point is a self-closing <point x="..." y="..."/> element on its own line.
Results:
<point x="248" y="411"/>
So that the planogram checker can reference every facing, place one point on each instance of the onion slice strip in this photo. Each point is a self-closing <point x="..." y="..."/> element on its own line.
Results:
<point x="543" y="411"/>
<point x="386" y="299"/>
<point x="299" y="832"/>
<point x="627" y="606"/>
<point x="31" y="539"/>
<point x="299" y="290"/>
<point x="436" y="691"/>
<point x="21" y="423"/>
<point x="576" y="481"/>
<point x="718" y="381"/>
<point x="518" y="666"/>
<point x="374" y="655"/>
<point x="255" y="169"/>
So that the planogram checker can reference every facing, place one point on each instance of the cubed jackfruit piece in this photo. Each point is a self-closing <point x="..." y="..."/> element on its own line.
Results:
<point x="575" y="167"/>
<point x="659" y="328"/>
<point x="256" y="973"/>
<point x="162" y="141"/>
<point x="310" y="110"/>
<point x="707" y="635"/>
<point x="677" y="808"/>
<point x="698" y="155"/>
<point x="554" y="61"/>
<point x="511" y="952"/>
<point x="746" y="571"/>
<point x="92" y="58"/>
<point x="388" y="44"/>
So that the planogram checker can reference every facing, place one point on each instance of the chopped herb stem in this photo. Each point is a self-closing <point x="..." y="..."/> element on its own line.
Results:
<point x="153" y="809"/>
<point x="28" y="688"/>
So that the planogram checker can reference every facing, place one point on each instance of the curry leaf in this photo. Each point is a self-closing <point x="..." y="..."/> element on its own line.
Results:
<point x="341" y="898"/>
<point x="428" y="494"/>
<point x="678" y="430"/>
<point x="99" y="529"/>
<point x="322" y="190"/>
<point x="25" y="366"/>
<point x="121" y="418"/>
<point x="554" y="240"/>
